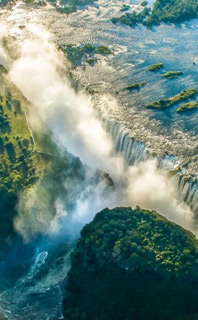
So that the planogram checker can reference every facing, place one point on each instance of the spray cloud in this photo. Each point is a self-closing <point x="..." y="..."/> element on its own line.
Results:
<point x="39" y="73"/>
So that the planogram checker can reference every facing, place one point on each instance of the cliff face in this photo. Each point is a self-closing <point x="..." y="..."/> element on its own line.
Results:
<point x="131" y="264"/>
<point x="18" y="157"/>
<point x="33" y="170"/>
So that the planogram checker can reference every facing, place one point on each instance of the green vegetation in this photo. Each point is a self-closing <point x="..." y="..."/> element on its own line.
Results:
<point x="174" y="11"/>
<point x="132" y="19"/>
<point x="66" y="9"/>
<point x="125" y="7"/>
<point x="91" y="61"/>
<point x="76" y="54"/>
<point x="105" y="51"/>
<point x="135" y="86"/>
<point x="30" y="168"/>
<point x="79" y="3"/>
<point x="63" y="6"/>
<point x="27" y="162"/>
<point x="37" y="2"/>
<point x="144" y="3"/>
<point x="69" y="6"/>
<point x="172" y="74"/>
<point x="17" y="159"/>
<point x="137" y="239"/>
<point x="155" y="67"/>
<point x="131" y="264"/>
<point x="188" y="106"/>
<point x="167" y="103"/>
<point x="5" y="2"/>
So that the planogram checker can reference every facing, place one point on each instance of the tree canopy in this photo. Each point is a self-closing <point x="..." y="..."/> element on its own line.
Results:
<point x="130" y="263"/>
<point x="174" y="11"/>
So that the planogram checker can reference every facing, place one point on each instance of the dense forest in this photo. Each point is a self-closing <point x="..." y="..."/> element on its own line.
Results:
<point x="17" y="156"/>
<point x="129" y="264"/>
<point x="174" y="11"/>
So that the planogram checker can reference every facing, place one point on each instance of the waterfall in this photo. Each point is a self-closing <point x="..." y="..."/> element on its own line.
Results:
<point x="135" y="151"/>
<point x="132" y="150"/>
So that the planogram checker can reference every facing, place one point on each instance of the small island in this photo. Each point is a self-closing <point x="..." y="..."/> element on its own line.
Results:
<point x="144" y="3"/>
<point x="103" y="50"/>
<point x="132" y="19"/>
<point x="77" y="54"/>
<point x="135" y="86"/>
<point x="125" y="7"/>
<point x="155" y="67"/>
<point x="188" y="106"/>
<point x="172" y="74"/>
<point x="167" y="103"/>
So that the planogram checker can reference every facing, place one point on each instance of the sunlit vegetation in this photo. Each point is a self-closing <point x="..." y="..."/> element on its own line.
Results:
<point x="167" y="103"/>
<point x="91" y="61"/>
<point x="25" y="160"/>
<point x="172" y="74"/>
<point x="188" y="106"/>
<point x="125" y="7"/>
<point x="130" y="264"/>
<point x="103" y="50"/>
<point x="174" y="11"/>
<point x="69" y="6"/>
<point x="66" y="9"/>
<point x="78" y="54"/>
<point x="132" y="19"/>
<point x="77" y="2"/>
<point x="17" y="159"/>
<point x="155" y="67"/>
<point x="63" y="6"/>
<point x="135" y="86"/>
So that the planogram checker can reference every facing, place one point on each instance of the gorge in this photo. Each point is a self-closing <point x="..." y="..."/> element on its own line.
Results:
<point x="76" y="143"/>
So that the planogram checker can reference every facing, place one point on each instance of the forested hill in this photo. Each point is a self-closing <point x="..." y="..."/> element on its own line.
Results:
<point x="130" y="264"/>
<point x="174" y="11"/>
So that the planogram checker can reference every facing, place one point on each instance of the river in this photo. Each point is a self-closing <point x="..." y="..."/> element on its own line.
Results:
<point x="33" y="275"/>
